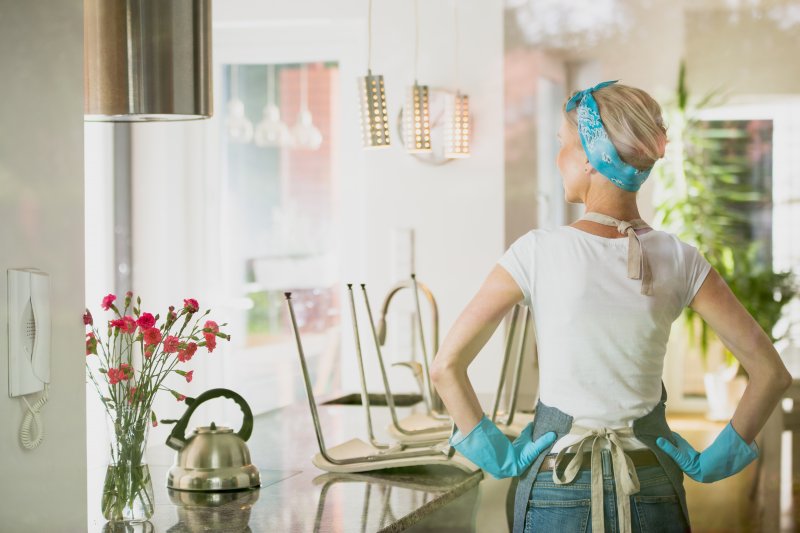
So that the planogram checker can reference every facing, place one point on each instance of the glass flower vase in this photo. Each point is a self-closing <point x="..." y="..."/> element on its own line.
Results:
<point x="128" y="488"/>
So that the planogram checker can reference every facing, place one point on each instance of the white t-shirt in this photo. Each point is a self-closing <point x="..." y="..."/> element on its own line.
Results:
<point x="601" y="343"/>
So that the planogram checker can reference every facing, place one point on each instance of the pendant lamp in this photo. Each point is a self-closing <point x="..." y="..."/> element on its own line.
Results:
<point x="305" y="135"/>
<point x="416" y="114"/>
<point x="147" y="60"/>
<point x="240" y="129"/>
<point x="372" y="101"/>
<point x="457" y="122"/>
<point x="272" y="131"/>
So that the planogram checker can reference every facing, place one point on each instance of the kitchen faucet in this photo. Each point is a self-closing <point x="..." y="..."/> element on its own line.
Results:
<point x="433" y="401"/>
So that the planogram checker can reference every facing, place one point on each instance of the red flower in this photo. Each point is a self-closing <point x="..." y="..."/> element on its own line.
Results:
<point x="188" y="376"/>
<point x="126" y="371"/>
<point x="87" y="318"/>
<point x="171" y="344"/>
<point x="108" y="301"/>
<point x="211" y="338"/>
<point x="152" y="336"/>
<point x="132" y="394"/>
<point x="211" y="343"/>
<point x="148" y="351"/>
<point x="191" y="305"/>
<point x="145" y="321"/>
<point x="186" y="354"/>
<point x="123" y="373"/>
<point x="91" y="343"/>
<point x="128" y="325"/>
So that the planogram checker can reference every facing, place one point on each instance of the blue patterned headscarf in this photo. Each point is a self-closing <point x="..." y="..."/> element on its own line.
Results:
<point x="598" y="147"/>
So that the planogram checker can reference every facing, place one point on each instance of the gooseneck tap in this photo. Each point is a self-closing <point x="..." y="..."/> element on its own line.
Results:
<point x="433" y="401"/>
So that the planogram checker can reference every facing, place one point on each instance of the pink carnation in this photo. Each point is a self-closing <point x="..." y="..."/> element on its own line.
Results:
<point x="211" y="338"/>
<point x="128" y="324"/>
<point x="145" y="321"/>
<point x="171" y="344"/>
<point x="152" y="336"/>
<point x="91" y="343"/>
<point x="108" y="301"/>
<point x="187" y="353"/>
<point x="123" y="373"/>
<point x="191" y="305"/>
<point x="87" y="318"/>
<point x="189" y="376"/>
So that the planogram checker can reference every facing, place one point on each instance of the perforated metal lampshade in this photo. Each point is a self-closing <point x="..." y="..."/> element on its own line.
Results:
<point x="416" y="120"/>
<point x="374" y="116"/>
<point x="147" y="60"/>
<point x="457" y="126"/>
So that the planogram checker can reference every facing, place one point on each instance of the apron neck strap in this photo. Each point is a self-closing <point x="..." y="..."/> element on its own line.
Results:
<point x="638" y="267"/>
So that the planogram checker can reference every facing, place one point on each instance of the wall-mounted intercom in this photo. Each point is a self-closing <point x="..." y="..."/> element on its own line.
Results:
<point x="29" y="346"/>
<point x="28" y="331"/>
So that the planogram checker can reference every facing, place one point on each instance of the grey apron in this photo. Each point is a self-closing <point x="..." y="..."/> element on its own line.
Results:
<point x="647" y="429"/>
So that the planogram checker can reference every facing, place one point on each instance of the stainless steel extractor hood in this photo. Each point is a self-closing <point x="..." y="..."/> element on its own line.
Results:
<point x="147" y="60"/>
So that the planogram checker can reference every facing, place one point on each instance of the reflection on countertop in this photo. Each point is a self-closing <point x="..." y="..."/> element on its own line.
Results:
<point x="296" y="496"/>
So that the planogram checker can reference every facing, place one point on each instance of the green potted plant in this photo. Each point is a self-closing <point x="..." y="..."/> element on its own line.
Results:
<point x="704" y="197"/>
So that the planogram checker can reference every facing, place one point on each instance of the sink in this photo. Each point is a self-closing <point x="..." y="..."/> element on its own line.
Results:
<point x="400" y="400"/>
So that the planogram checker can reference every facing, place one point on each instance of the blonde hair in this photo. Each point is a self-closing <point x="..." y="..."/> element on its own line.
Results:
<point x="632" y="119"/>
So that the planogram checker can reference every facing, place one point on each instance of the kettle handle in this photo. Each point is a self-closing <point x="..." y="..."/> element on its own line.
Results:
<point x="177" y="439"/>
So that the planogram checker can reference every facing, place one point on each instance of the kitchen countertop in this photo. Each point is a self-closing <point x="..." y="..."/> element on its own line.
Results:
<point x="296" y="496"/>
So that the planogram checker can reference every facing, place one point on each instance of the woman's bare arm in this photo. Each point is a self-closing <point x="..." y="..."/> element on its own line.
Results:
<point x="471" y="331"/>
<point x="748" y="342"/>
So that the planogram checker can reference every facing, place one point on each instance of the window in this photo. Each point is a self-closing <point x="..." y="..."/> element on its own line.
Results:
<point x="279" y="218"/>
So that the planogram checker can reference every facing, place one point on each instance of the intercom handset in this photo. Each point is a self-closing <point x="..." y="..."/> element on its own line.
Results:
<point x="29" y="342"/>
<point x="28" y="331"/>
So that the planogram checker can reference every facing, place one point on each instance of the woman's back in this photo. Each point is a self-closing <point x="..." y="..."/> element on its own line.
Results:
<point x="601" y="343"/>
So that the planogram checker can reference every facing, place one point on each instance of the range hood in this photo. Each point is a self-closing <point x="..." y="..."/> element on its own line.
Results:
<point x="147" y="60"/>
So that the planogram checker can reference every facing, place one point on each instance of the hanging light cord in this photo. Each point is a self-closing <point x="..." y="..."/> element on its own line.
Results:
<point x="369" y="36"/>
<point x="455" y="23"/>
<point x="416" y="39"/>
<point x="234" y="82"/>
<point x="271" y="84"/>
<point x="31" y="418"/>
<point x="304" y="87"/>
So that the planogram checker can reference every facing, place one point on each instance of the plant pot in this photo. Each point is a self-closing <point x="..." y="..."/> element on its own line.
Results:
<point x="127" y="488"/>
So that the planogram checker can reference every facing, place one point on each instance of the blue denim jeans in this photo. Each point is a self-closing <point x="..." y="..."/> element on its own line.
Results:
<point x="567" y="508"/>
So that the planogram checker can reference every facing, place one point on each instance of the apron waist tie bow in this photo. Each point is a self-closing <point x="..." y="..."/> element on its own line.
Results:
<point x="625" y="478"/>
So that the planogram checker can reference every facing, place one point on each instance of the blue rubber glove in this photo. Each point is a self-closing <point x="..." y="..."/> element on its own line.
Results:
<point x="487" y="447"/>
<point x="727" y="455"/>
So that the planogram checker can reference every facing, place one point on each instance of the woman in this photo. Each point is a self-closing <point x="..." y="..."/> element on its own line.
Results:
<point x="604" y="292"/>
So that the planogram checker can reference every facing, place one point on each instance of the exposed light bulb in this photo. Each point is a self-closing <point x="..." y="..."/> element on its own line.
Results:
<point x="272" y="131"/>
<point x="304" y="134"/>
<point x="240" y="129"/>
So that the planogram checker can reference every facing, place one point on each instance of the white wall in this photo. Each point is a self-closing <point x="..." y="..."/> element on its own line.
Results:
<point x="745" y="55"/>
<point x="41" y="216"/>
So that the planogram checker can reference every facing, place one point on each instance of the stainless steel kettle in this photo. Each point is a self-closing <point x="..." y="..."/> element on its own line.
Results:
<point x="214" y="458"/>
